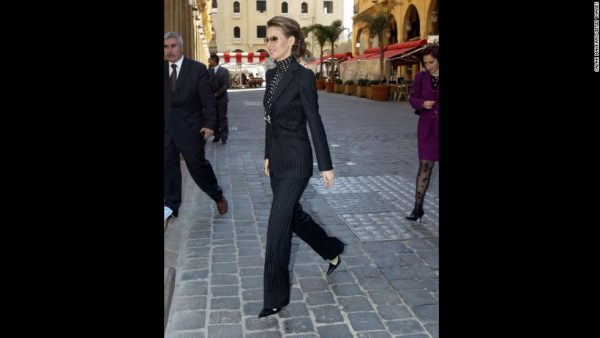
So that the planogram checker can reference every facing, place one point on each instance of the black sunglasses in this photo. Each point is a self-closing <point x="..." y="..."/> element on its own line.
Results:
<point x="272" y="39"/>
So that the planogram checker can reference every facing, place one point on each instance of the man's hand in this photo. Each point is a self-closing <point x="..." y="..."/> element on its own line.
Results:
<point x="207" y="132"/>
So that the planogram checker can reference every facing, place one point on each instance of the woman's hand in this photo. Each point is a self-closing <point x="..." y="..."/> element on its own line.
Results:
<point x="428" y="104"/>
<point x="266" y="167"/>
<point x="328" y="177"/>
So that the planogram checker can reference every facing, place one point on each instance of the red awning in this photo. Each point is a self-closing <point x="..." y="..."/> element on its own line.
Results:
<point x="391" y="51"/>
<point x="243" y="57"/>
<point x="366" y="53"/>
<point x="337" y="56"/>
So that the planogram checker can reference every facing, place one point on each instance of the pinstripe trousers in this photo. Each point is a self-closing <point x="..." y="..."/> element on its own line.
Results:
<point x="286" y="217"/>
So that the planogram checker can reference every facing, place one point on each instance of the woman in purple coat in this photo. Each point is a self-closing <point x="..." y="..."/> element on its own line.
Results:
<point x="425" y="99"/>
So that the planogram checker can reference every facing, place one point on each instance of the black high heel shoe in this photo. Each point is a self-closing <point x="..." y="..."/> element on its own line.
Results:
<point x="333" y="267"/>
<point x="417" y="214"/>
<point x="267" y="312"/>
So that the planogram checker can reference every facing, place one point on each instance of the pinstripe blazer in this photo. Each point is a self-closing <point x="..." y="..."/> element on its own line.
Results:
<point x="287" y="145"/>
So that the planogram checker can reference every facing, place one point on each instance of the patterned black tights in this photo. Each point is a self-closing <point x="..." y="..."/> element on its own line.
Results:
<point x="423" y="178"/>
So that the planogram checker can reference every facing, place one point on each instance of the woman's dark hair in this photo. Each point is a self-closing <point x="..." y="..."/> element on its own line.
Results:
<point x="430" y="50"/>
<point x="290" y="27"/>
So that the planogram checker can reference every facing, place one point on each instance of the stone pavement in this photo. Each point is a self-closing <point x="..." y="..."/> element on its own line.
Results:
<point x="388" y="283"/>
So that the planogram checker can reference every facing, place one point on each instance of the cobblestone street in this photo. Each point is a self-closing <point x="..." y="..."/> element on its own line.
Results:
<point x="387" y="285"/>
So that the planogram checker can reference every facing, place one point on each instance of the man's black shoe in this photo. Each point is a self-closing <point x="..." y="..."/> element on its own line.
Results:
<point x="222" y="206"/>
<point x="216" y="139"/>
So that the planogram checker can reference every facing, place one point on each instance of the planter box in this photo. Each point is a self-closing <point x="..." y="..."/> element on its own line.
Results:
<point x="361" y="91"/>
<point x="330" y="86"/>
<point x="369" y="95"/>
<point x="380" y="93"/>
<point x="320" y="84"/>
<point x="349" y="89"/>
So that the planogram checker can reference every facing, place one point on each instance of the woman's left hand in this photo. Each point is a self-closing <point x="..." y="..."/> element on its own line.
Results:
<point x="328" y="177"/>
<point x="428" y="104"/>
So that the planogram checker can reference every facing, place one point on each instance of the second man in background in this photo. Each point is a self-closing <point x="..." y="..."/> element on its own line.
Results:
<point x="219" y="82"/>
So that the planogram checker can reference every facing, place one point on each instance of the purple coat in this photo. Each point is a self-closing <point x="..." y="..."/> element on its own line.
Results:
<point x="428" y="129"/>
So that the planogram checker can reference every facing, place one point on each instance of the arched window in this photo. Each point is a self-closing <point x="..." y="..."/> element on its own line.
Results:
<point x="304" y="7"/>
<point x="236" y="7"/>
<point x="284" y="7"/>
<point x="236" y="32"/>
<point x="215" y="4"/>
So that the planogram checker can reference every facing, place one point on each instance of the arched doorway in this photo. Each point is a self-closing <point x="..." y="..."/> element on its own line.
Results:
<point x="362" y="41"/>
<point x="412" y="24"/>
<point x="392" y="31"/>
<point x="432" y="18"/>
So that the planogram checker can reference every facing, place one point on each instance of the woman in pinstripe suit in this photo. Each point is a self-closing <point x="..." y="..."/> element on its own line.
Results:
<point x="290" y="102"/>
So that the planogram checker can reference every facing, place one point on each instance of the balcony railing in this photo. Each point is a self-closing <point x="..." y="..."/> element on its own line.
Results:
<point x="237" y="40"/>
<point x="303" y="15"/>
<point x="237" y="15"/>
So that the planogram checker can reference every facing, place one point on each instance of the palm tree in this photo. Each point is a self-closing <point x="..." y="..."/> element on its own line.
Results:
<point x="305" y="33"/>
<point x="377" y="21"/>
<point x="321" y="34"/>
<point x="333" y="31"/>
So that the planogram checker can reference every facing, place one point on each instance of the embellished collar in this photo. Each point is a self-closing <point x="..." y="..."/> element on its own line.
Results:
<point x="284" y="64"/>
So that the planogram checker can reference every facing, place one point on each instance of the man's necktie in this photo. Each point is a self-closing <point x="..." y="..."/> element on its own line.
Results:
<point x="173" y="77"/>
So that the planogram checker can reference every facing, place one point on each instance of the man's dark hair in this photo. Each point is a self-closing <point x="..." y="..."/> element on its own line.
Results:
<point x="215" y="58"/>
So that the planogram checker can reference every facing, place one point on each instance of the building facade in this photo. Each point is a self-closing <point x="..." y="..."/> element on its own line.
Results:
<point x="409" y="20"/>
<point x="190" y="18"/>
<point x="240" y="25"/>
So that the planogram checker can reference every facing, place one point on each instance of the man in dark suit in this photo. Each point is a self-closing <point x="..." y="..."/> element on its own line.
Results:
<point x="219" y="80"/>
<point x="189" y="119"/>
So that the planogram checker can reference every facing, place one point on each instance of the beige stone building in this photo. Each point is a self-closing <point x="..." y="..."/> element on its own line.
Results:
<point x="240" y="25"/>
<point x="190" y="18"/>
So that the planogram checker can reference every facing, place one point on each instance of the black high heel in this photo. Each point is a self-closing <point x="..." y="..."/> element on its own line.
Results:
<point x="417" y="214"/>
<point x="267" y="312"/>
<point x="332" y="267"/>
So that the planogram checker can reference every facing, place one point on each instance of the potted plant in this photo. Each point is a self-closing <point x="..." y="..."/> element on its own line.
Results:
<point x="332" y="32"/>
<point x="370" y="88"/>
<point x="330" y="85"/>
<point x="349" y="87"/>
<point x="320" y="33"/>
<point x="339" y="86"/>
<point x="361" y="89"/>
